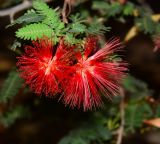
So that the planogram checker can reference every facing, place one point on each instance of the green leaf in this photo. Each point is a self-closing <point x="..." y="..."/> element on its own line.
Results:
<point x="77" y="28"/>
<point x="27" y="18"/>
<point x="135" y="114"/>
<point x="114" y="9"/>
<point x="104" y="134"/>
<point x="157" y="114"/>
<point x="157" y="31"/>
<point x="11" y="86"/>
<point x="69" y="38"/>
<point x="128" y="9"/>
<point x="76" y="18"/>
<point x="97" y="28"/>
<point x="101" y="5"/>
<point x="106" y="8"/>
<point x="146" y="24"/>
<point x="87" y="134"/>
<point x="9" y="117"/>
<point x="137" y="88"/>
<point x="132" y="84"/>
<point x="34" y="31"/>
<point x="51" y="16"/>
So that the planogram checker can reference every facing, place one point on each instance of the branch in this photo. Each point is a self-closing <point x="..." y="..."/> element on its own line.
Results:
<point x="13" y="10"/>
<point x="122" y="115"/>
<point x="65" y="13"/>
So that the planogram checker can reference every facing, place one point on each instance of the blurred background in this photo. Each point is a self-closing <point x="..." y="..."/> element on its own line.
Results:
<point x="29" y="119"/>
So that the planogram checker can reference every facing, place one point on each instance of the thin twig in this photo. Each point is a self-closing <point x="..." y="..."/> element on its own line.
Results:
<point x="122" y="115"/>
<point x="15" y="9"/>
<point x="66" y="10"/>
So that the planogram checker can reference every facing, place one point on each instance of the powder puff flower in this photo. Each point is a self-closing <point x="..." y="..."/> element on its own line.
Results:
<point x="84" y="76"/>
<point x="42" y="66"/>
<point x="156" y="40"/>
<point x="96" y="73"/>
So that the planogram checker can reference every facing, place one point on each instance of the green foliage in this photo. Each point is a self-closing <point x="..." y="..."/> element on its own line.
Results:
<point x="113" y="123"/>
<point x="69" y="38"/>
<point x="137" y="109"/>
<point x="108" y="120"/>
<point x="146" y="24"/>
<point x="46" y="21"/>
<point x="51" y="16"/>
<point x="157" y="113"/>
<point x="97" y="28"/>
<point x="34" y="31"/>
<point x="77" y="18"/>
<point x="100" y="5"/>
<point x="29" y="17"/>
<point x="11" y="86"/>
<point x="135" y="114"/>
<point x="77" y="28"/>
<point x="112" y="9"/>
<point x="136" y="88"/>
<point x="101" y="127"/>
<point x="8" y="118"/>
<point x="128" y="9"/>
<point x="157" y="31"/>
<point x="86" y="135"/>
<point x="108" y="9"/>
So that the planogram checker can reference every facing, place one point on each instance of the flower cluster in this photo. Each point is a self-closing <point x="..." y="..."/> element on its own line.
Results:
<point x="82" y="76"/>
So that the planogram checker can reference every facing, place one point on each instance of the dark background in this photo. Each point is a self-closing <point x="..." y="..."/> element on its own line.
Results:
<point x="51" y="120"/>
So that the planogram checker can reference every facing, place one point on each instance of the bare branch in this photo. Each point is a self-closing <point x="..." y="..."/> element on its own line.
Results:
<point x="24" y="5"/>
<point x="13" y="10"/>
<point x="122" y="115"/>
<point x="65" y="12"/>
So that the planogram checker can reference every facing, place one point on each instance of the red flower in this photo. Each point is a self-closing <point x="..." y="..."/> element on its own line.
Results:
<point x="84" y="76"/>
<point x="94" y="74"/>
<point x="41" y="68"/>
<point x="156" y="40"/>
